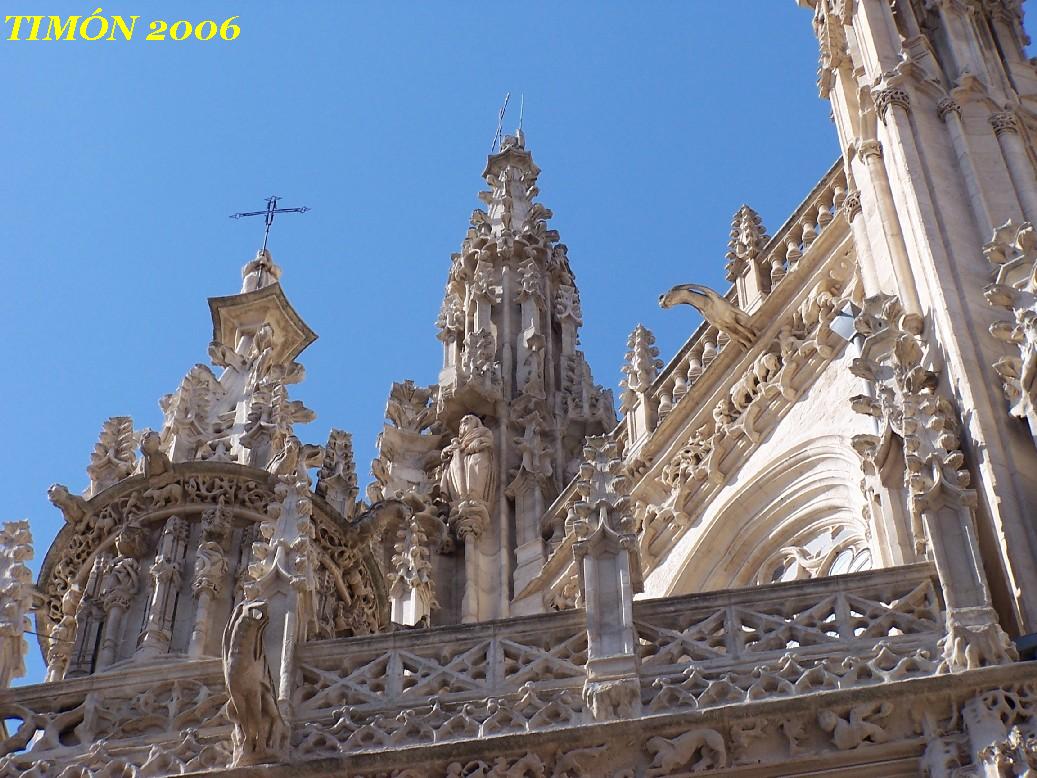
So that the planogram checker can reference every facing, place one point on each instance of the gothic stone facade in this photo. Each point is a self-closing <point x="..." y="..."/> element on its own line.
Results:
<point x="806" y="547"/>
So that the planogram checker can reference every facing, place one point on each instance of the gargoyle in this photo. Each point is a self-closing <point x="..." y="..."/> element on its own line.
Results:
<point x="71" y="505"/>
<point x="260" y="732"/>
<point x="715" y="309"/>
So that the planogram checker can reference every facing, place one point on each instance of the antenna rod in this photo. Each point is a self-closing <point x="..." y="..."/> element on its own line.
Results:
<point x="500" y="123"/>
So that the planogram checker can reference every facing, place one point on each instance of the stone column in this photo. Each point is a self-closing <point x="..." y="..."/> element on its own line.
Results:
<point x="118" y="588"/>
<point x="610" y="575"/>
<point x="871" y="153"/>
<point x="211" y="571"/>
<point x="950" y="111"/>
<point x="166" y="575"/>
<point x="89" y="619"/>
<point x="907" y="404"/>
<point x="1017" y="160"/>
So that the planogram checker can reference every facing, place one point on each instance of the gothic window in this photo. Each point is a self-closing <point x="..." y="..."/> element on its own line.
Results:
<point x="835" y="550"/>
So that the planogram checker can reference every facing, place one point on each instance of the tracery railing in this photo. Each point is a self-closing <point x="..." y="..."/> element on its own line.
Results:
<point x="422" y="687"/>
<point x="788" y="639"/>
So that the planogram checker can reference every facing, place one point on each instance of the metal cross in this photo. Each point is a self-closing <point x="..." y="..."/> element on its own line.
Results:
<point x="271" y="209"/>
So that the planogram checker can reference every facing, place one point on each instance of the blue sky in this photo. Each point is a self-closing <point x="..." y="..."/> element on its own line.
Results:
<point x="652" y="123"/>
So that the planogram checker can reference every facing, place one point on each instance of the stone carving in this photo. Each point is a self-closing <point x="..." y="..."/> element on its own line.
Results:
<point x="451" y="318"/>
<point x="610" y="574"/>
<point x="295" y="458"/>
<point x="975" y="639"/>
<point x="72" y="506"/>
<point x="15" y="598"/>
<point x="478" y="361"/>
<point x="467" y="480"/>
<point x="62" y="635"/>
<point x="695" y="750"/>
<point x="641" y="367"/>
<point x="411" y="587"/>
<point x="155" y="465"/>
<point x="734" y="323"/>
<point x="860" y="725"/>
<point x="112" y="458"/>
<point x="907" y="404"/>
<point x="1013" y="252"/>
<point x="467" y="483"/>
<point x="614" y="699"/>
<point x="748" y="238"/>
<point x="260" y="732"/>
<point x="211" y="573"/>
<point x="567" y="304"/>
<point x="336" y="481"/>
<point x="410" y="407"/>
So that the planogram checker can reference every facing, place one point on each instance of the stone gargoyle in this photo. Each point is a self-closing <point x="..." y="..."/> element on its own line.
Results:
<point x="726" y="317"/>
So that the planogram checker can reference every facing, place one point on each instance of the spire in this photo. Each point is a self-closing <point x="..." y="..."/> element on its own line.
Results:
<point x="642" y="365"/>
<point x="509" y="325"/>
<point x="745" y="266"/>
<point x="748" y="238"/>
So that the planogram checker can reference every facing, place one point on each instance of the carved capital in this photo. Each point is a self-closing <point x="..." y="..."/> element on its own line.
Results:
<point x="1005" y="121"/>
<point x="868" y="149"/>
<point x="891" y="96"/>
<point x="852" y="204"/>
<point x="947" y="106"/>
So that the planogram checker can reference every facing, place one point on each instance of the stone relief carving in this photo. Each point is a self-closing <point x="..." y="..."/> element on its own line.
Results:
<point x="858" y="726"/>
<point x="694" y="751"/>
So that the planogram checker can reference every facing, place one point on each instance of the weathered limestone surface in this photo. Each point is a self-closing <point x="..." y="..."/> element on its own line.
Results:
<point x="806" y="548"/>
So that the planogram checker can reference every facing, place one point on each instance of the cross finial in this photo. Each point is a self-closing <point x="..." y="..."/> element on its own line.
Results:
<point x="268" y="213"/>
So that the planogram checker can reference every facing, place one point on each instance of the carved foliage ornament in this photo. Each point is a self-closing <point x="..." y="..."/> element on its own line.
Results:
<point x="1013" y="253"/>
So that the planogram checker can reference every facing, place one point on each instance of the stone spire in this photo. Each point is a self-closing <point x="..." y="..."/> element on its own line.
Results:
<point x="744" y="267"/>
<point x="509" y="325"/>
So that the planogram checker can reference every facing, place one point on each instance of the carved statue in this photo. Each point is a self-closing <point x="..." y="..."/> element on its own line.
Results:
<point x="295" y="457"/>
<point x="155" y="465"/>
<point x="468" y="473"/>
<point x="715" y="309"/>
<point x="260" y="732"/>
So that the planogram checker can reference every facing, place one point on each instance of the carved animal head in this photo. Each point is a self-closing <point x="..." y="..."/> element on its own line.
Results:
<point x="58" y="494"/>
<point x="686" y="294"/>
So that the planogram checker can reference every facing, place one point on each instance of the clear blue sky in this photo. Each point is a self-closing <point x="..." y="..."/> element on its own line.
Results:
<point x="652" y="121"/>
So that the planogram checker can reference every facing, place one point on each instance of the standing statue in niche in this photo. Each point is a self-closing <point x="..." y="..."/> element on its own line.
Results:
<point x="260" y="733"/>
<point x="467" y="480"/>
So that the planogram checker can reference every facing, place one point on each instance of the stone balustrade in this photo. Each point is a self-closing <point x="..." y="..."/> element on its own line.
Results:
<point x="422" y="687"/>
<point x="789" y="249"/>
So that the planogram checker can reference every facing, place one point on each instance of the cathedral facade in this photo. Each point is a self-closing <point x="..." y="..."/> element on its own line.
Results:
<point x="807" y="544"/>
